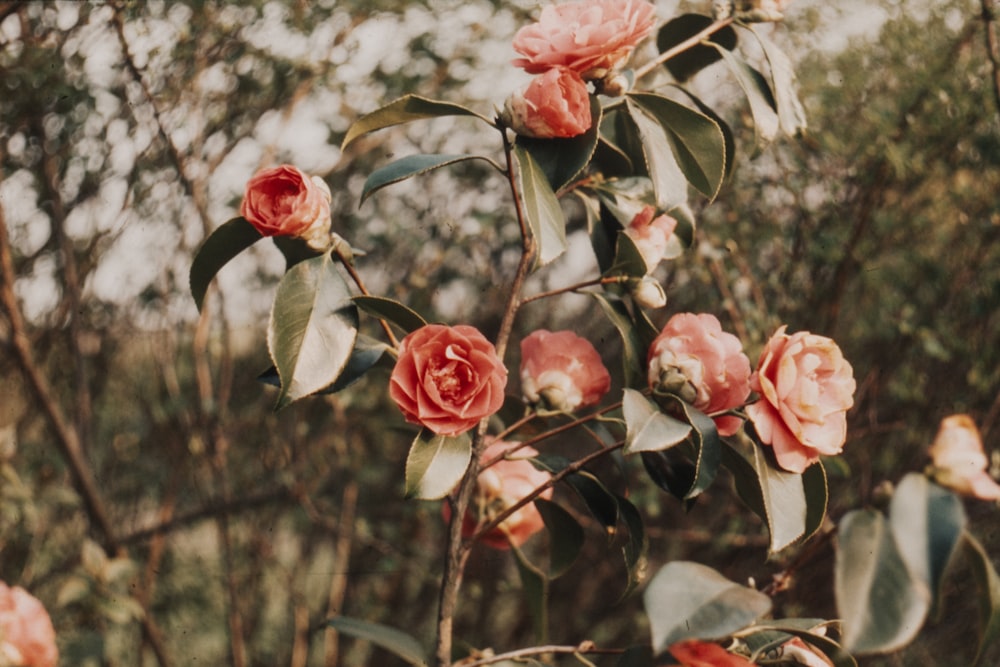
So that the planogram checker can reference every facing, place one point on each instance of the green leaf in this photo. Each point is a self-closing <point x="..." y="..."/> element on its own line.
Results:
<point x="689" y="62"/>
<point x="762" y="104"/>
<point x="817" y="498"/>
<point x="294" y="250"/>
<point x="690" y="600"/>
<point x="648" y="429"/>
<point x="881" y="608"/>
<point x="411" y="165"/>
<point x="727" y="132"/>
<point x="436" y="464"/>
<point x="541" y="208"/>
<point x="366" y="354"/>
<point x="669" y="183"/>
<point x="697" y="142"/>
<point x="989" y="593"/>
<point x="395" y="641"/>
<point x="224" y="243"/>
<point x="404" y="110"/>
<point x="628" y="261"/>
<point x="786" y="95"/>
<point x="391" y="310"/>
<point x="536" y="587"/>
<point x="596" y="497"/>
<point x="637" y="546"/>
<point x="771" y="634"/>
<point x="312" y="328"/>
<point x="706" y="442"/>
<point x="562" y="160"/>
<point x="927" y="522"/>
<point x="633" y="353"/>
<point x="565" y="536"/>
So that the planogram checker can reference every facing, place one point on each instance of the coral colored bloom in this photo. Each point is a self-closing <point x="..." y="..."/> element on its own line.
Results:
<point x="590" y="37"/>
<point x="696" y="360"/>
<point x="554" y="105"/>
<point x="499" y="487"/>
<point x="447" y="378"/>
<point x="562" y="371"/>
<point x="806" y="388"/>
<point x="283" y="201"/>
<point x="695" y="653"/>
<point x="958" y="460"/>
<point x="651" y="233"/>
<point x="27" y="638"/>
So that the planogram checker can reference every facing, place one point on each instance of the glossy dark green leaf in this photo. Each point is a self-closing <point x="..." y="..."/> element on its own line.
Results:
<point x="366" y="354"/>
<point x="690" y="600"/>
<point x="647" y="428"/>
<point x="696" y="140"/>
<point x="881" y="606"/>
<point x="633" y="353"/>
<point x="791" y="114"/>
<point x="628" y="261"/>
<point x="763" y="107"/>
<point x="535" y="585"/>
<point x="223" y="244"/>
<point x="689" y="62"/>
<point x="670" y="472"/>
<point x="312" y="328"/>
<point x="404" y="110"/>
<point x="435" y="464"/>
<point x="565" y="536"/>
<point x="390" y="310"/>
<point x="770" y="635"/>
<point x="706" y="443"/>
<point x="989" y="593"/>
<point x="294" y="250"/>
<point x="596" y="497"/>
<point x="562" y="160"/>
<point x="727" y="132"/>
<point x="395" y="641"/>
<point x="636" y="547"/>
<point x="817" y="498"/>
<point x="669" y="182"/>
<point x="541" y="208"/>
<point x="409" y="166"/>
<point x="927" y="522"/>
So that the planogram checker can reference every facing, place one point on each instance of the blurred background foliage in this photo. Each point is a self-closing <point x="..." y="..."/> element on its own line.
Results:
<point x="127" y="131"/>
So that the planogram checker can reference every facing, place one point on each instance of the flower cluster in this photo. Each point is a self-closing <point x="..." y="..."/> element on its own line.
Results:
<point x="571" y="44"/>
<point x="27" y="638"/>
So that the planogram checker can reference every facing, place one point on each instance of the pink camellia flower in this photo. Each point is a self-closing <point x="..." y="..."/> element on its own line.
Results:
<point x="651" y="233"/>
<point x="696" y="653"/>
<point x="806" y="388"/>
<point x="499" y="487"/>
<point x="562" y="371"/>
<point x="590" y="37"/>
<point x="958" y="461"/>
<point x="283" y="201"/>
<point x="447" y="378"/>
<point x="554" y="105"/>
<point x="27" y="638"/>
<point x="693" y="358"/>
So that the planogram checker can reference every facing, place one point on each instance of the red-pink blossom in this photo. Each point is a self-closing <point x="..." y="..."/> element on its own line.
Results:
<point x="283" y="201"/>
<point x="27" y="638"/>
<point x="590" y="37"/>
<point x="447" y="378"/>
<point x="695" y="359"/>
<point x="555" y="105"/>
<point x="806" y="387"/>
<point x="562" y="371"/>
<point x="651" y="233"/>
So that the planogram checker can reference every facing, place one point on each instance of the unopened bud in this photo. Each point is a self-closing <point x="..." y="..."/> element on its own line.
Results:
<point x="648" y="292"/>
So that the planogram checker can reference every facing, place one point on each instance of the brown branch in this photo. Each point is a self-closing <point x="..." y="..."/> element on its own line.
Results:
<point x="992" y="45"/>
<point x="585" y="648"/>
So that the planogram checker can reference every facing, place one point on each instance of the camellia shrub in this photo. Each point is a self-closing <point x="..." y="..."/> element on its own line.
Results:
<point x="633" y="153"/>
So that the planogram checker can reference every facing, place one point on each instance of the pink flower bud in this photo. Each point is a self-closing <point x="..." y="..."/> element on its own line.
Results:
<point x="651" y="235"/>
<point x="283" y="201"/>
<point x="554" y="105"/>
<point x="562" y="371"/>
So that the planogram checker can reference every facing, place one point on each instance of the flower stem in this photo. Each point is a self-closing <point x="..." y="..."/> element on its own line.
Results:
<point x="603" y="280"/>
<point x="457" y="550"/>
<point x="683" y="46"/>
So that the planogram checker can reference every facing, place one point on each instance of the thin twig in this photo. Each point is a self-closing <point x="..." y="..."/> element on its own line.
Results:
<point x="683" y="46"/>
<point x="583" y="649"/>
<point x="604" y="280"/>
